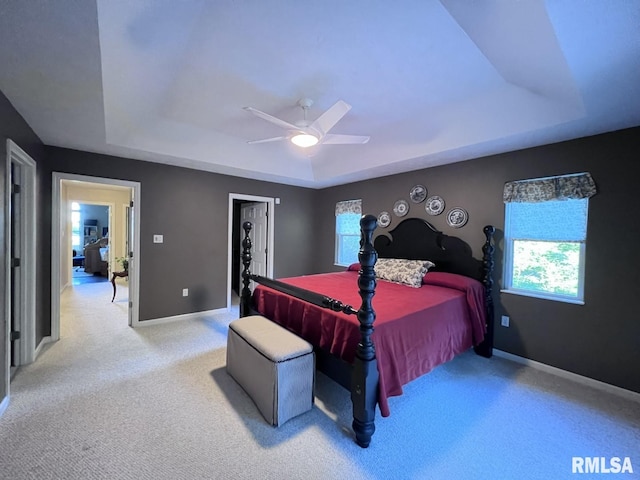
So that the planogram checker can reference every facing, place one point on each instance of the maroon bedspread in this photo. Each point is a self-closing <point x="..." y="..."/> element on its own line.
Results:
<point x="416" y="329"/>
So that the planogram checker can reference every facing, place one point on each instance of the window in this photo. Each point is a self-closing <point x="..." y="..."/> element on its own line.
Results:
<point x="546" y="236"/>
<point x="348" y="214"/>
<point x="75" y="227"/>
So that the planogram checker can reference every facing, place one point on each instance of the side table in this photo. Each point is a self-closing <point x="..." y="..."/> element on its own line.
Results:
<point x="123" y="274"/>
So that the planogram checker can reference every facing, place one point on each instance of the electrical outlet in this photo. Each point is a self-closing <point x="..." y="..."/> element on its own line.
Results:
<point x="505" y="321"/>
<point x="158" y="238"/>
<point x="185" y="292"/>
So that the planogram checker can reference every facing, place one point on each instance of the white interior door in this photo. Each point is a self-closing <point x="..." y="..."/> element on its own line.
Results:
<point x="132" y="266"/>
<point x="20" y="257"/>
<point x="16" y="256"/>
<point x="256" y="213"/>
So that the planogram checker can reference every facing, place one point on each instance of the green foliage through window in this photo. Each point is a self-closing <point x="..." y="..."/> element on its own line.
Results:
<point x="549" y="267"/>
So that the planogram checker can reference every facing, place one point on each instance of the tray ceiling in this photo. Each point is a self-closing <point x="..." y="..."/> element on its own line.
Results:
<point x="431" y="82"/>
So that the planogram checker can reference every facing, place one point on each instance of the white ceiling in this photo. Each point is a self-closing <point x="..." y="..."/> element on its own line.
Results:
<point x="432" y="82"/>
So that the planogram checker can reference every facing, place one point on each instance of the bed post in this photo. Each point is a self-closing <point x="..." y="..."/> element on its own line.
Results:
<point x="485" y="348"/>
<point x="364" y="377"/>
<point x="245" y="295"/>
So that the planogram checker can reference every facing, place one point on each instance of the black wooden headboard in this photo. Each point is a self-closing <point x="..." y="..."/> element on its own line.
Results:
<point x="417" y="239"/>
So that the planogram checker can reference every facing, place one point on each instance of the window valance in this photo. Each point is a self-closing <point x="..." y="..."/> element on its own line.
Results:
<point x="563" y="187"/>
<point x="349" y="206"/>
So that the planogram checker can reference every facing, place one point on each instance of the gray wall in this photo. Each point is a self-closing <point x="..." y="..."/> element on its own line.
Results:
<point x="12" y="126"/>
<point x="599" y="339"/>
<point x="190" y="208"/>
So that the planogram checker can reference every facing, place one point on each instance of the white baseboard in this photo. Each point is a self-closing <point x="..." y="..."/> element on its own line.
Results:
<point x="3" y="405"/>
<point x="40" y="346"/>
<point x="184" y="316"/>
<point x="621" y="392"/>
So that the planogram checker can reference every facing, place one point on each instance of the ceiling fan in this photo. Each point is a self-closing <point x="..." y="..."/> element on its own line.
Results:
<point x="305" y="134"/>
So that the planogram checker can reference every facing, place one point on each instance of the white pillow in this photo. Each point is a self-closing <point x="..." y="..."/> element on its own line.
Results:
<point x="406" y="272"/>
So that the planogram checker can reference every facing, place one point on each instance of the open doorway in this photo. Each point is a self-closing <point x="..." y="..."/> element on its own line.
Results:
<point x="90" y="246"/>
<point x="260" y="211"/>
<point x="114" y="240"/>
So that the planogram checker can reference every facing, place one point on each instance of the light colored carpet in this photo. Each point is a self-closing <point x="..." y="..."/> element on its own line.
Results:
<point x="111" y="402"/>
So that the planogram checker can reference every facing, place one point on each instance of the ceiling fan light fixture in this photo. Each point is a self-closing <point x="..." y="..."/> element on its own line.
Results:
<point x="304" y="140"/>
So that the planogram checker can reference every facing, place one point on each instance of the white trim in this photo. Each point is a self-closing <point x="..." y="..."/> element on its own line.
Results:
<point x="270" y="236"/>
<point x="134" y="270"/>
<point x="543" y="296"/>
<point x="43" y="342"/>
<point x="4" y="404"/>
<point x="182" y="317"/>
<point x="7" y="295"/>
<point x="606" y="387"/>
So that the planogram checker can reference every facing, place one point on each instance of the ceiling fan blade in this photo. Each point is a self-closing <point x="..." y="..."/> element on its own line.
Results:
<point x="266" y="140"/>
<point x="328" y="119"/>
<point x="272" y="119"/>
<point x="334" y="139"/>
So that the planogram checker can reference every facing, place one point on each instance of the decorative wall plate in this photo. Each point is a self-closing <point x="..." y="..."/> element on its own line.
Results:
<point x="384" y="219"/>
<point x="401" y="208"/>
<point x="418" y="193"/>
<point x="457" y="217"/>
<point x="434" y="205"/>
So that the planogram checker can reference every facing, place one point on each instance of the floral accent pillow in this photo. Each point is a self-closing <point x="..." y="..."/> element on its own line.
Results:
<point x="406" y="272"/>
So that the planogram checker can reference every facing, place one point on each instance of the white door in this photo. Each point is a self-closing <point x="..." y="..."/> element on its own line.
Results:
<point x="128" y="253"/>
<point x="256" y="213"/>
<point x="16" y="256"/>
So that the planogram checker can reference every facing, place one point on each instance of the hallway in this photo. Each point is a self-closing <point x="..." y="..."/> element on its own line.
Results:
<point x="87" y="309"/>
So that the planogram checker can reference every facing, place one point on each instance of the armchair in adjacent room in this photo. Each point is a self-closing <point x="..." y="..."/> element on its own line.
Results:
<point x="96" y="255"/>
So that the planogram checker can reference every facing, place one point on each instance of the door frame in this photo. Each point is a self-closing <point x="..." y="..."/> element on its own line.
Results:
<point x="27" y="304"/>
<point x="270" y="201"/>
<point x="56" y="234"/>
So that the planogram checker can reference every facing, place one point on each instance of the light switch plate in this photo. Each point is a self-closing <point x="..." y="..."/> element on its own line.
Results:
<point x="158" y="239"/>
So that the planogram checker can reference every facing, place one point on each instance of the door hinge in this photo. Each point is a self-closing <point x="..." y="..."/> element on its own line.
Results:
<point x="15" y="335"/>
<point x="15" y="188"/>
<point x="131" y="203"/>
<point x="15" y="262"/>
<point x="130" y="304"/>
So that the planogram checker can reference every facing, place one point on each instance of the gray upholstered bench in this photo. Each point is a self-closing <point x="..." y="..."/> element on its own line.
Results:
<point x="274" y="366"/>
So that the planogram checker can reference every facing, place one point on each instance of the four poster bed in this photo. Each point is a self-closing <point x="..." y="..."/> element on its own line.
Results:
<point x="417" y="327"/>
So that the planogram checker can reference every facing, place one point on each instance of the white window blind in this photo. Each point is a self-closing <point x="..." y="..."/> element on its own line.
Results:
<point x="560" y="220"/>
